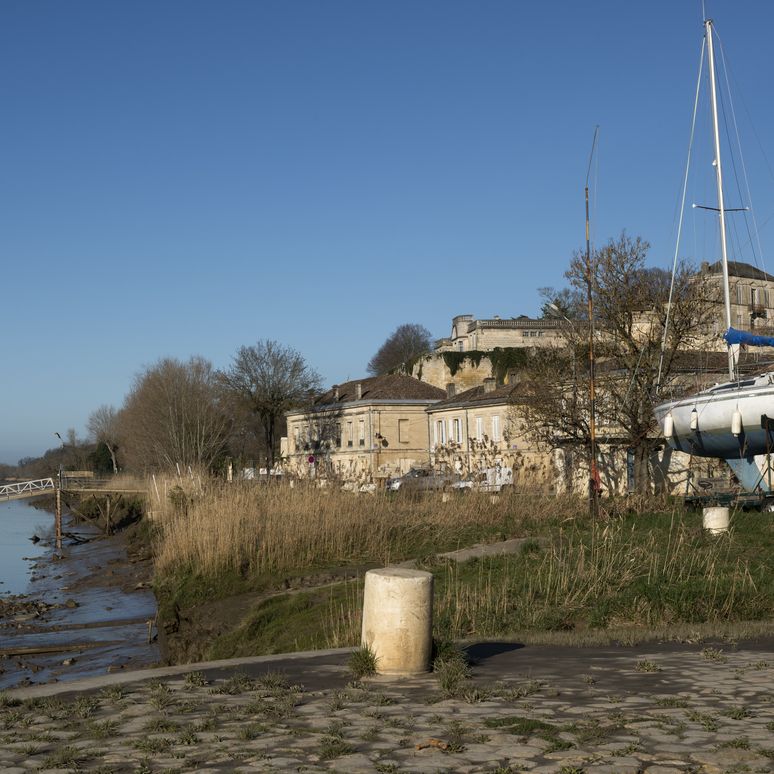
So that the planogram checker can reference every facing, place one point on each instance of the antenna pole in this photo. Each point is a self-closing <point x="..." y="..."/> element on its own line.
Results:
<point x="719" y="181"/>
<point x="593" y="472"/>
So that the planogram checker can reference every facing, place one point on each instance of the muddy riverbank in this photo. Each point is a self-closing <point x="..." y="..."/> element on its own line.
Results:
<point x="87" y="610"/>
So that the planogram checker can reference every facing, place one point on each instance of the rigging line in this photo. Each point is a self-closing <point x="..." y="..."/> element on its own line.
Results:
<point x="680" y="222"/>
<point x="741" y="158"/>
<point x="732" y="156"/>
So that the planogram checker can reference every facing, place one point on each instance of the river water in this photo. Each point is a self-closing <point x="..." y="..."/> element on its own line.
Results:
<point x="96" y="611"/>
<point x="18" y="523"/>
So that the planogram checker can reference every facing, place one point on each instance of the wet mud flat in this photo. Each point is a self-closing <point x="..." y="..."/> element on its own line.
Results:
<point x="89" y="610"/>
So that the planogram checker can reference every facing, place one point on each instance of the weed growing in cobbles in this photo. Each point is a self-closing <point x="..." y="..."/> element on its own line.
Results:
<point x="363" y="662"/>
<point x="714" y="654"/>
<point x="671" y="701"/>
<point x="234" y="685"/>
<point x="115" y="694"/>
<point x="738" y="713"/>
<point x="705" y="720"/>
<point x="188" y="737"/>
<point x="646" y="665"/>
<point x="739" y="743"/>
<point x="68" y="756"/>
<point x="102" y="730"/>
<point x="160" y="726"/>
<point x="195" y="679"/>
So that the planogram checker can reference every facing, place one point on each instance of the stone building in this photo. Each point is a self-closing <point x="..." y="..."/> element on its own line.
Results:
<point x="478" y="429"/>
<point x="479" y="349"/>
<point x="362" y="430"/>
<point x="469" y="334"/>
<point x="752" y="297"/>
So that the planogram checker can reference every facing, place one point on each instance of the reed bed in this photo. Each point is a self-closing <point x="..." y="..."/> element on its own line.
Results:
<point x="275" y="529"/>
<point x="645" y="565"/>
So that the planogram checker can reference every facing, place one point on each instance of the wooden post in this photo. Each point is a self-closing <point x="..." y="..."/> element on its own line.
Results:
<point x="58" y="518"/>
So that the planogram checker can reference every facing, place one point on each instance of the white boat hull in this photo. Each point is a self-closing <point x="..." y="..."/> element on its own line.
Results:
<point x="710" y="431"/>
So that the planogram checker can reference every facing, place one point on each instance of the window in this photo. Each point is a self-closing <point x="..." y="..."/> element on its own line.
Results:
<point x="338" y="434"/>
<point x="361" y="432"/>
<point x="440" y="432"/>
<point x="350" y="434"/>
<point x="403" y="431"/>
<point x="461" y="345"/>
<point x="457" y="431"/>
<point x="495" y="428"/>
<point x="480" y="428"/>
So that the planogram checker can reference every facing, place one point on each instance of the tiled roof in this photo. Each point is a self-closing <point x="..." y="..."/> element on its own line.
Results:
<point x="477" y="396"/>
<point x="740" y="269"/>
<point x="386" y="387"/>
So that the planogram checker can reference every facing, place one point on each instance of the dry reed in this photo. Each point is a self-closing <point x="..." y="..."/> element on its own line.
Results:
<point x="274" y="528"/>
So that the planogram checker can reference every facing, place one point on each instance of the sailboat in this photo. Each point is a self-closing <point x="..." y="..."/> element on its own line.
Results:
<point x="732" y="421"/>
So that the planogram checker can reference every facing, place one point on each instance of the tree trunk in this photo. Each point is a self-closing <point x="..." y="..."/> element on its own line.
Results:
<point x="642" y="483"/>
<point x="112" y="451"/>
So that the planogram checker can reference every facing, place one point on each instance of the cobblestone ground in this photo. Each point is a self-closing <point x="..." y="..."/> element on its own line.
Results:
<point x="616" y="711"/>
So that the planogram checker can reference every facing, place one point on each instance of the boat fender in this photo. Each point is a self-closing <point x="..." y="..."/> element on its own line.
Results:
<point x="736" y="423"/>
<point x="694" y="420"/>
<point x="669" y="426"/>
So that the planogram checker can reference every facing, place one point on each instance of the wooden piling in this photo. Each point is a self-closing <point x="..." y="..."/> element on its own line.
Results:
<point x="58" y="519"/>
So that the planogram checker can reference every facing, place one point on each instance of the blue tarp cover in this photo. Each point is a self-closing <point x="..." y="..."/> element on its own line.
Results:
<point x="733" y="336"/>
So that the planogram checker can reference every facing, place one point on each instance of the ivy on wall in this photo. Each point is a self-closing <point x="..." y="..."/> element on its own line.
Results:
<point x="503" y="359"/>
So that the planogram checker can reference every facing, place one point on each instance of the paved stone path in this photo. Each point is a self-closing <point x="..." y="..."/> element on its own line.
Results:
<point x="654" y="709"/>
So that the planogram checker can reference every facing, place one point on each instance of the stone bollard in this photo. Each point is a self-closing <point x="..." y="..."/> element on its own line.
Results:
<point x="715" y="520"/>
<point x="398" y="619"/>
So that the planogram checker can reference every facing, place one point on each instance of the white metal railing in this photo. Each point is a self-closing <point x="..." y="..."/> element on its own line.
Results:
<point x="26" y="488"/>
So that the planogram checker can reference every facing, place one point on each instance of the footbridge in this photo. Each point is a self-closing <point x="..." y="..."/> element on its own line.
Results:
<point x="68" y="482"/>
<point x="23" y="489"/>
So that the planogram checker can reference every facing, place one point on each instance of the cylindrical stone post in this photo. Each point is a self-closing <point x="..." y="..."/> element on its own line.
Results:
<point x="398" y="619"/>
<point x="715" y="520"/>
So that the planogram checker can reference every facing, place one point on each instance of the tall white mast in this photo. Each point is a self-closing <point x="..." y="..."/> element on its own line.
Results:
<point x="719" y="180"/>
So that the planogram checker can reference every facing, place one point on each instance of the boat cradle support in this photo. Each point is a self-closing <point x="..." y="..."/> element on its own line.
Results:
<point x="745" y="468"/>
<point x="750" y="476"/>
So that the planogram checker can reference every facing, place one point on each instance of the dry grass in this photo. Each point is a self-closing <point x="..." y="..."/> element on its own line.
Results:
<point x="639" y="568"/>
<point x="275" y="528"/>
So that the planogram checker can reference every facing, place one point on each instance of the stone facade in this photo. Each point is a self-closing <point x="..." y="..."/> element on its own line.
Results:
<point x="470" y="335"/>
<point x="479" y="349"/>
<point x="362" y="430"/>
<point x="478" y="430"/>
<point x="481" y="428"/>
<point x="752" y="296"/>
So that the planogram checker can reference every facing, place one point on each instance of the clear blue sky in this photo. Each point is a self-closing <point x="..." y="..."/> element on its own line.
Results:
<point x="182" y="178"/>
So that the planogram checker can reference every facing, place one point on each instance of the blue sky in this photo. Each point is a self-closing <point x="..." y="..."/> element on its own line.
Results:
<point x="181" y="178"/>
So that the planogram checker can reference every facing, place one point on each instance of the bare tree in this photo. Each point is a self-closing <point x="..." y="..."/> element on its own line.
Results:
<point x="630" y="309"/>
<point x="270" y="379"/>
<point x="404" y="343"/>
<point x="102" y="425"/>
<point x="173" y="414"/>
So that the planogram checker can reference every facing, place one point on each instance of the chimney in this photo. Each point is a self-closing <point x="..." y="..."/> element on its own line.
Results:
<point x="704" y="267"/>
<point x="451" y="390"/>
<point x="358" y="391"/>
<point x="490" y="383"/>
<point x="335" y="392"/>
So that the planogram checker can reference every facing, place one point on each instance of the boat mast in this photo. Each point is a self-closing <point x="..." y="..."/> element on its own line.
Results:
<point x="719" y="180"/>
